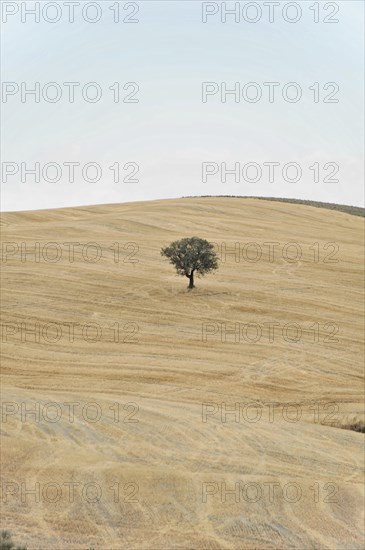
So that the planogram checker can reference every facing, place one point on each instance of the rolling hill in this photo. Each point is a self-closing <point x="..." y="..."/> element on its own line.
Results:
<point x="168" y="419"/>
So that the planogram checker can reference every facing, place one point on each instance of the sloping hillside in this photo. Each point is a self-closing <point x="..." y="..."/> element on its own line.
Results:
<point x="168" y="419"/>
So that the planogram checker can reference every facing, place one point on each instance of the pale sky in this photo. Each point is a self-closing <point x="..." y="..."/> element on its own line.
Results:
<point x="170" y="132"/>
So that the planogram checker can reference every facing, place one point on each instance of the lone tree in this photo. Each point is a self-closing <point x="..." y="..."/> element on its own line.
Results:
<point x="190" y="256"/>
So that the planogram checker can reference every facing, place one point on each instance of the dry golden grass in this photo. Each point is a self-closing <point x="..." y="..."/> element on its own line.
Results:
<point x="165" y="463"/>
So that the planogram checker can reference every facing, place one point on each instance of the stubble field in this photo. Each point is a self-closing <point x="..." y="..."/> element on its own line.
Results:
<point x="169" y="419"/>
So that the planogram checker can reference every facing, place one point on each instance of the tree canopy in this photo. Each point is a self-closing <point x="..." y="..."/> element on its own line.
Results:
<point x="191" y="255"/>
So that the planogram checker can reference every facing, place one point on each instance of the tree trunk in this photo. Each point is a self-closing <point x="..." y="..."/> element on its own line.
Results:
<point x="191" y="280"/>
